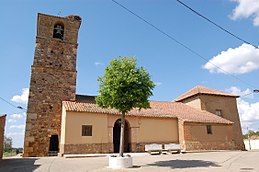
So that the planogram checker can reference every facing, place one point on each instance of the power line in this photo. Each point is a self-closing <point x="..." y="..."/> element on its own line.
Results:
<point x="246" y="94"/>
<point x="178" y="42"/>
<point x="215" y="24"/>
<point x="252" y="121"/>
<point x="252" y="92"/>
<point x="17" y="107"/>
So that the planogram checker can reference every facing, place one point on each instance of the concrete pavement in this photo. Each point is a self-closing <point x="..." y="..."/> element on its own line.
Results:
<point x="222" y="161"/>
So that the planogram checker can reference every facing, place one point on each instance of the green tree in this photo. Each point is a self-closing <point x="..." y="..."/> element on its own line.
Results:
<point x="8" y="143"/>
<point x="124" y="86"/>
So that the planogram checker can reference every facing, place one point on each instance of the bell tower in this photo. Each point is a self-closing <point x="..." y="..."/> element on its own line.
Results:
<point x="53" y="79"/>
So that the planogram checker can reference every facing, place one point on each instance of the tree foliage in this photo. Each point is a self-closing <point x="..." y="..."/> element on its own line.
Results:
<point x="8" y="143"/>
<point x="252" y="135"/>
<point x="124" y="86"/>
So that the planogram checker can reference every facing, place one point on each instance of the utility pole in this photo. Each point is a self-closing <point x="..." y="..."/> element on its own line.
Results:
<point x="248" y="137"/>
<point x="248" y="133"/>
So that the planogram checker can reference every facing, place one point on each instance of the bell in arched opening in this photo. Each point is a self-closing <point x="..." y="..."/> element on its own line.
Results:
<point x="58" y="31"/>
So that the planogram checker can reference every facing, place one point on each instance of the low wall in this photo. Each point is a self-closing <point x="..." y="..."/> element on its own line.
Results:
<point x="2" y="127"/>
<point x="101" y="148"/>
<point x="86" y="148"/>
<point x="197" y="145"/>
<point x="254" y="144"/>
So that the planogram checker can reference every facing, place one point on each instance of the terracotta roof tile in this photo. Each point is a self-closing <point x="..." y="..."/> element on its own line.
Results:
<point x="202" y="90"/>
<point x="158" y="109"/>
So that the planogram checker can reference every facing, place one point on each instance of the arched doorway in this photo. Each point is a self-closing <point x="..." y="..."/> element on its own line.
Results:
<point x="53" y="145"/>
<point x="116" y="136"/>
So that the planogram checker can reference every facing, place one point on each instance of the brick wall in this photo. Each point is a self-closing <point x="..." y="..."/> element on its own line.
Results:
<point x="101" y="147"/>
<point x="2" y="127"/>
<point x="209" y="145"/>
<point x="197" y="138"/>
<point x="88" y="148"/>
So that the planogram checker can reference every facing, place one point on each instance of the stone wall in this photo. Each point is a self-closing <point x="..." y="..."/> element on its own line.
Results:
<point x="88" y="148"/>
<point x="100" y="148"/>
<point x="53" y="80"/>
<point x="228" y="107"/>
<point x="209" y="145"/>
<point x="197" y="138"/>
<point x="2" y="127"/>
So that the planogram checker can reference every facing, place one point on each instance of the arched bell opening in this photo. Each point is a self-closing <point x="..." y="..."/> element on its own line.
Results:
<point x="58" y="31"/>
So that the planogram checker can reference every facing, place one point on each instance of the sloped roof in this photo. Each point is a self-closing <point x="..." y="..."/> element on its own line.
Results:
<point x="85" y="98"/>
<point x="158" y="109"/>
<point x="202" y="90"/>
<point x="2" y="115"/>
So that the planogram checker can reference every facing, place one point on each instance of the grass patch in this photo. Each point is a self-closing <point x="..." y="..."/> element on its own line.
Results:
<point x="9" y="153"/>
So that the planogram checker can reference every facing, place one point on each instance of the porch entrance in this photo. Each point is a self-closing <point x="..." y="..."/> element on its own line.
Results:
<point x="116" y="136"/>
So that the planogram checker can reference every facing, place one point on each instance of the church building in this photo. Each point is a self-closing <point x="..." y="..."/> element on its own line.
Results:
<point x="60" y="121"/>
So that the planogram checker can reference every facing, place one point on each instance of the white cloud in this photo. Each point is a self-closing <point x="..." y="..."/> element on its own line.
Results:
<point x="158" y="83"/>
<point x="17" y="116"/>
<point x="248" y="112"/>
<point x="98" y="63"/>
<point x="17" y="126"/>
<point x="236" y="91"/>
<point x="23" y="98"/>
<point x="18" y="138"/>
<point x="240" y="60"/>
<point x="11" y="120"/>
<point x="15" y="134"/>
<point x="246" y="9"/>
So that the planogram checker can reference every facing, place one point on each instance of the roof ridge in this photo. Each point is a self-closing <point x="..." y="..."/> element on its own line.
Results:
<point x="203" y="90"/>
<point x="160" y="109"/>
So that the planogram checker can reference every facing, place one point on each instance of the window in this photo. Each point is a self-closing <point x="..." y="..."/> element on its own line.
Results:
<point x="218" y="112"/>
<point x="209" y="129"/>
<point x="87" y="130"/>
<point x="58" y="31"/>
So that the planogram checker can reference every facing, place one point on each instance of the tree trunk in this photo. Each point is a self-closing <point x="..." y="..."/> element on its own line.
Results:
<point x="122" y="135"/>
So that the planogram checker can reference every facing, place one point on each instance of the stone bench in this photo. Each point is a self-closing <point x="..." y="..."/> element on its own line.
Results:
<point x="172" y="147"/>
<point x="159" y="148"/>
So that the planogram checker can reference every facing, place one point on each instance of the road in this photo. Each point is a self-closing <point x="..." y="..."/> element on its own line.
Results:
<point x="222" y="161"/>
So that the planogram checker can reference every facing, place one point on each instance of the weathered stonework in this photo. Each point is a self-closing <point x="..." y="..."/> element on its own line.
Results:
<point x="228" y="107"/>
<point x="197" y="138"/>
<point x="2" y="126"/>
<point x="204" y="145"/>
<point x="101" y="148"/>
<point x="53" y="80"/>
<point x="88" y="148"/>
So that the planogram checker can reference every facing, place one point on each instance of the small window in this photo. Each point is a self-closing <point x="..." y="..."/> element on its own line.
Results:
<point x="209" y="129"/>
<point x="58" y="31"/>
<point x="87" y="130"/>
<point x="218" y="112"/>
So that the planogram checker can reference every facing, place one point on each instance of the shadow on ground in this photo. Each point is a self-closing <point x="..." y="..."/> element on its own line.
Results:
<point x="184" y="163"/>
<point x="18" y="165"/>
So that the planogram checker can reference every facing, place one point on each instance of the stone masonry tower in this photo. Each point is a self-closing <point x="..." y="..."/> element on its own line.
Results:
<point x="53" y="79"/>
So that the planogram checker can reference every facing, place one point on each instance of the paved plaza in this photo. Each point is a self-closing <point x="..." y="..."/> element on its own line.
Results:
<point x="228" y="161"/>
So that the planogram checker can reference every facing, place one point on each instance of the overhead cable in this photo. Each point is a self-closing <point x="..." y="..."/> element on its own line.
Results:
<point x="17" y="107"/>
<point x="178" y="42"/>
<point x="217" y="25"/>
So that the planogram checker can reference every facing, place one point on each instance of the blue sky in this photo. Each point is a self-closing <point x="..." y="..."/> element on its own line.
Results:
<point x="108" y="31"/>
